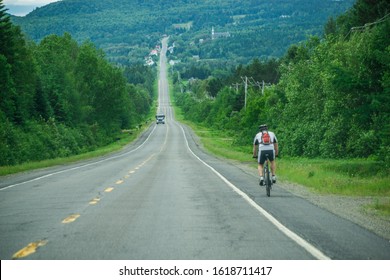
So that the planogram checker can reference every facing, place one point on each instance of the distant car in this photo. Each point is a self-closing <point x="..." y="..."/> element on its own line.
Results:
<point x="160" y="118"/>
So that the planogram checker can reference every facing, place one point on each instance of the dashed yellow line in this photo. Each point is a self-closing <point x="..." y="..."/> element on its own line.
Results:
<point x="32" y="247"/>
<point x="94" y="201"/>
<point x="71" y="219"/>
<point x="110" y="189"/>
<point x="29" y="249"/>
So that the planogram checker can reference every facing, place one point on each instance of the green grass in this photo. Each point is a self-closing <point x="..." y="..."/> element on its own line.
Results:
<point x="350" y="177"/>
<point x="123" y="139"/>
<point x="354" y="177"/>
<point x="382" y="207"/>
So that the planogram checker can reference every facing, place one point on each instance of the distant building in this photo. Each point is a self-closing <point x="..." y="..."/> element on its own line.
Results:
<point x="216" y="35"/>
<point x="149" y="61"/>
<point x="153" y="52"/>
<point x="174" y="62"/>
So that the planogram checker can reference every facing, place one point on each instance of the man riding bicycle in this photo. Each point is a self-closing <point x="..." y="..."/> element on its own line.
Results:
<point x="265" y="142"/>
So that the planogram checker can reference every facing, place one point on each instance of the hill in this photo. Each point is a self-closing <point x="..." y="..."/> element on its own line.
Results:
<point x="127" y="29"/>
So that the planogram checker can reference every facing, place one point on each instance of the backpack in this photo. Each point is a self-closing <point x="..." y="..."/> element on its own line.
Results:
<point x="265" y="138"/>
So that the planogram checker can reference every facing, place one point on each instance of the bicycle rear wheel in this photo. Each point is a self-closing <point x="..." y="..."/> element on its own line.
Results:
<point x="267" y="180"/>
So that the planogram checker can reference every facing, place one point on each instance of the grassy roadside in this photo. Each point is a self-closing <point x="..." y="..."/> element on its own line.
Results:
<point x="123" y="139"/>
<point x="349" y="177"/>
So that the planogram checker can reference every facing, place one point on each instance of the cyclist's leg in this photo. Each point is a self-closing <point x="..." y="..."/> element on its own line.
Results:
<point x="261" y="160"/>
<point x="273" y="166"/>
<point x="260" y="169"/>
<point x="260" y="166"/>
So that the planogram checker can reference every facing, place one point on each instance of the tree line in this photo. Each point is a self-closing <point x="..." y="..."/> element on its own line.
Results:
<point x="329" y="96"/>
<point x="127" y="29"/>
<point x="60" y="98"/>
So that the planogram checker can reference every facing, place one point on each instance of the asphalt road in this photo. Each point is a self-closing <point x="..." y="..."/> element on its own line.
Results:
<point x="163" y="197"/>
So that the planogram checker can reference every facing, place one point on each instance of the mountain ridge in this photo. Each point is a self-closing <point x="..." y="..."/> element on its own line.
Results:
<point x="126" y="29"/>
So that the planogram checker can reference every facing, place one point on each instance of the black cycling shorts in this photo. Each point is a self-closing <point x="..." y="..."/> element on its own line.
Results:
<point x="263" y="156"/>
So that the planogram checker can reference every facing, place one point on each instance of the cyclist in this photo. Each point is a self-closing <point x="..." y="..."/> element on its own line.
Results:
<point x="265" y="142"/>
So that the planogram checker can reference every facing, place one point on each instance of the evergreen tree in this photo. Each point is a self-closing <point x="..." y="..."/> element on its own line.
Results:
<point x="6" y="42"/>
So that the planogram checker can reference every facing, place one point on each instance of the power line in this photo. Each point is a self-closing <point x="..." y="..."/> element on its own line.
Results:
<point x="360" y="28"/>
<point x="249" y="81"/>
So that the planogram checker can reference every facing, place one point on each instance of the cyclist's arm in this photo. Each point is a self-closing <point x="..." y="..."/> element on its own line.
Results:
<point x="255" y="146"/>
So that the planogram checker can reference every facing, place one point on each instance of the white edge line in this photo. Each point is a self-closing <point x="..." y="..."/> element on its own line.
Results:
<point x="79" y="167"/>
<point x="299" y="240"/>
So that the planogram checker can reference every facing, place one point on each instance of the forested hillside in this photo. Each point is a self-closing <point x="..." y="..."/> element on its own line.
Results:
<point x="326" y="97"/>
<point x="127" y="29"/>
<point x="60" y="98"/>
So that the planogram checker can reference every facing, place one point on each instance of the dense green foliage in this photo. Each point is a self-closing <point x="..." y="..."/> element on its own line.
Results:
<point x="331" y="99"/>
<point x="127" y="29"/>
<point x="60" y="98"/>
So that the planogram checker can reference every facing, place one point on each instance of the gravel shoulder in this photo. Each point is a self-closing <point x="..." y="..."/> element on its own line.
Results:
<point x="353" y="208"/>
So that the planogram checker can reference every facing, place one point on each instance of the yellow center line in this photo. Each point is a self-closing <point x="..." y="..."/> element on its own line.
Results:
<point x="110" y="189"/>
<point x="29" y="249"/>
<point x="70" y="219"/>
<point x="94" y="201"/>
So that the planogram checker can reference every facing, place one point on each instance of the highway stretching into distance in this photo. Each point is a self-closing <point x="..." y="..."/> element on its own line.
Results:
<point x="163" y="197"/>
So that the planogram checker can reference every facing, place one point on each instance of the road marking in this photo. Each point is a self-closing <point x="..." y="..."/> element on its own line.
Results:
<point x="119" y="182"/>
<point x="94" y="201"/>
<point x="82" y="166"/>
<point x="70" y="219"/>
<point x="292" y="235"/>
<point x="110" y="189"/>
<point x="29" y="249"/>
<point x="131" y="172"/>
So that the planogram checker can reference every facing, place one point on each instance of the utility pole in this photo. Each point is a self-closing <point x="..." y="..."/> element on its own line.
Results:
<point x="250" y="81"/>
<point x="246" y="89"/>
<point x="236" y="85"/>
<point x="262" y="90"/>
<point x="179" y="80"/>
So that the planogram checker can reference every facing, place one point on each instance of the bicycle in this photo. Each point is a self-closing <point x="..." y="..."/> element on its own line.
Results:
<point x="267" y="176"/>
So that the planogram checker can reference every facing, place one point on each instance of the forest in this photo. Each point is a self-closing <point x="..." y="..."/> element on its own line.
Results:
<point x="126" y="29"/>
<point x="61" y="98"/>
<point x="327" y="97"/>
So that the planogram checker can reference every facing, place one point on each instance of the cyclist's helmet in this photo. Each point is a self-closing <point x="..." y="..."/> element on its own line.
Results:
<point x="263" y="127"/>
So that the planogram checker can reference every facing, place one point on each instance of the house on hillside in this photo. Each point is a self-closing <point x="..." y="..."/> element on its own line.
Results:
<point x="216" y="35"/>
<point x="149" y="61"/>
<point x="153" y="52"/>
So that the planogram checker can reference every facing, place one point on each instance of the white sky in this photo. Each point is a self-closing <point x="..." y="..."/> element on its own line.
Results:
<point x="28" y="2"/>
<point x="23" y="7"/>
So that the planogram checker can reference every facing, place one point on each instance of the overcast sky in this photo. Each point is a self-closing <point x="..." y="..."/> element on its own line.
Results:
<point x="23" y="7"/>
